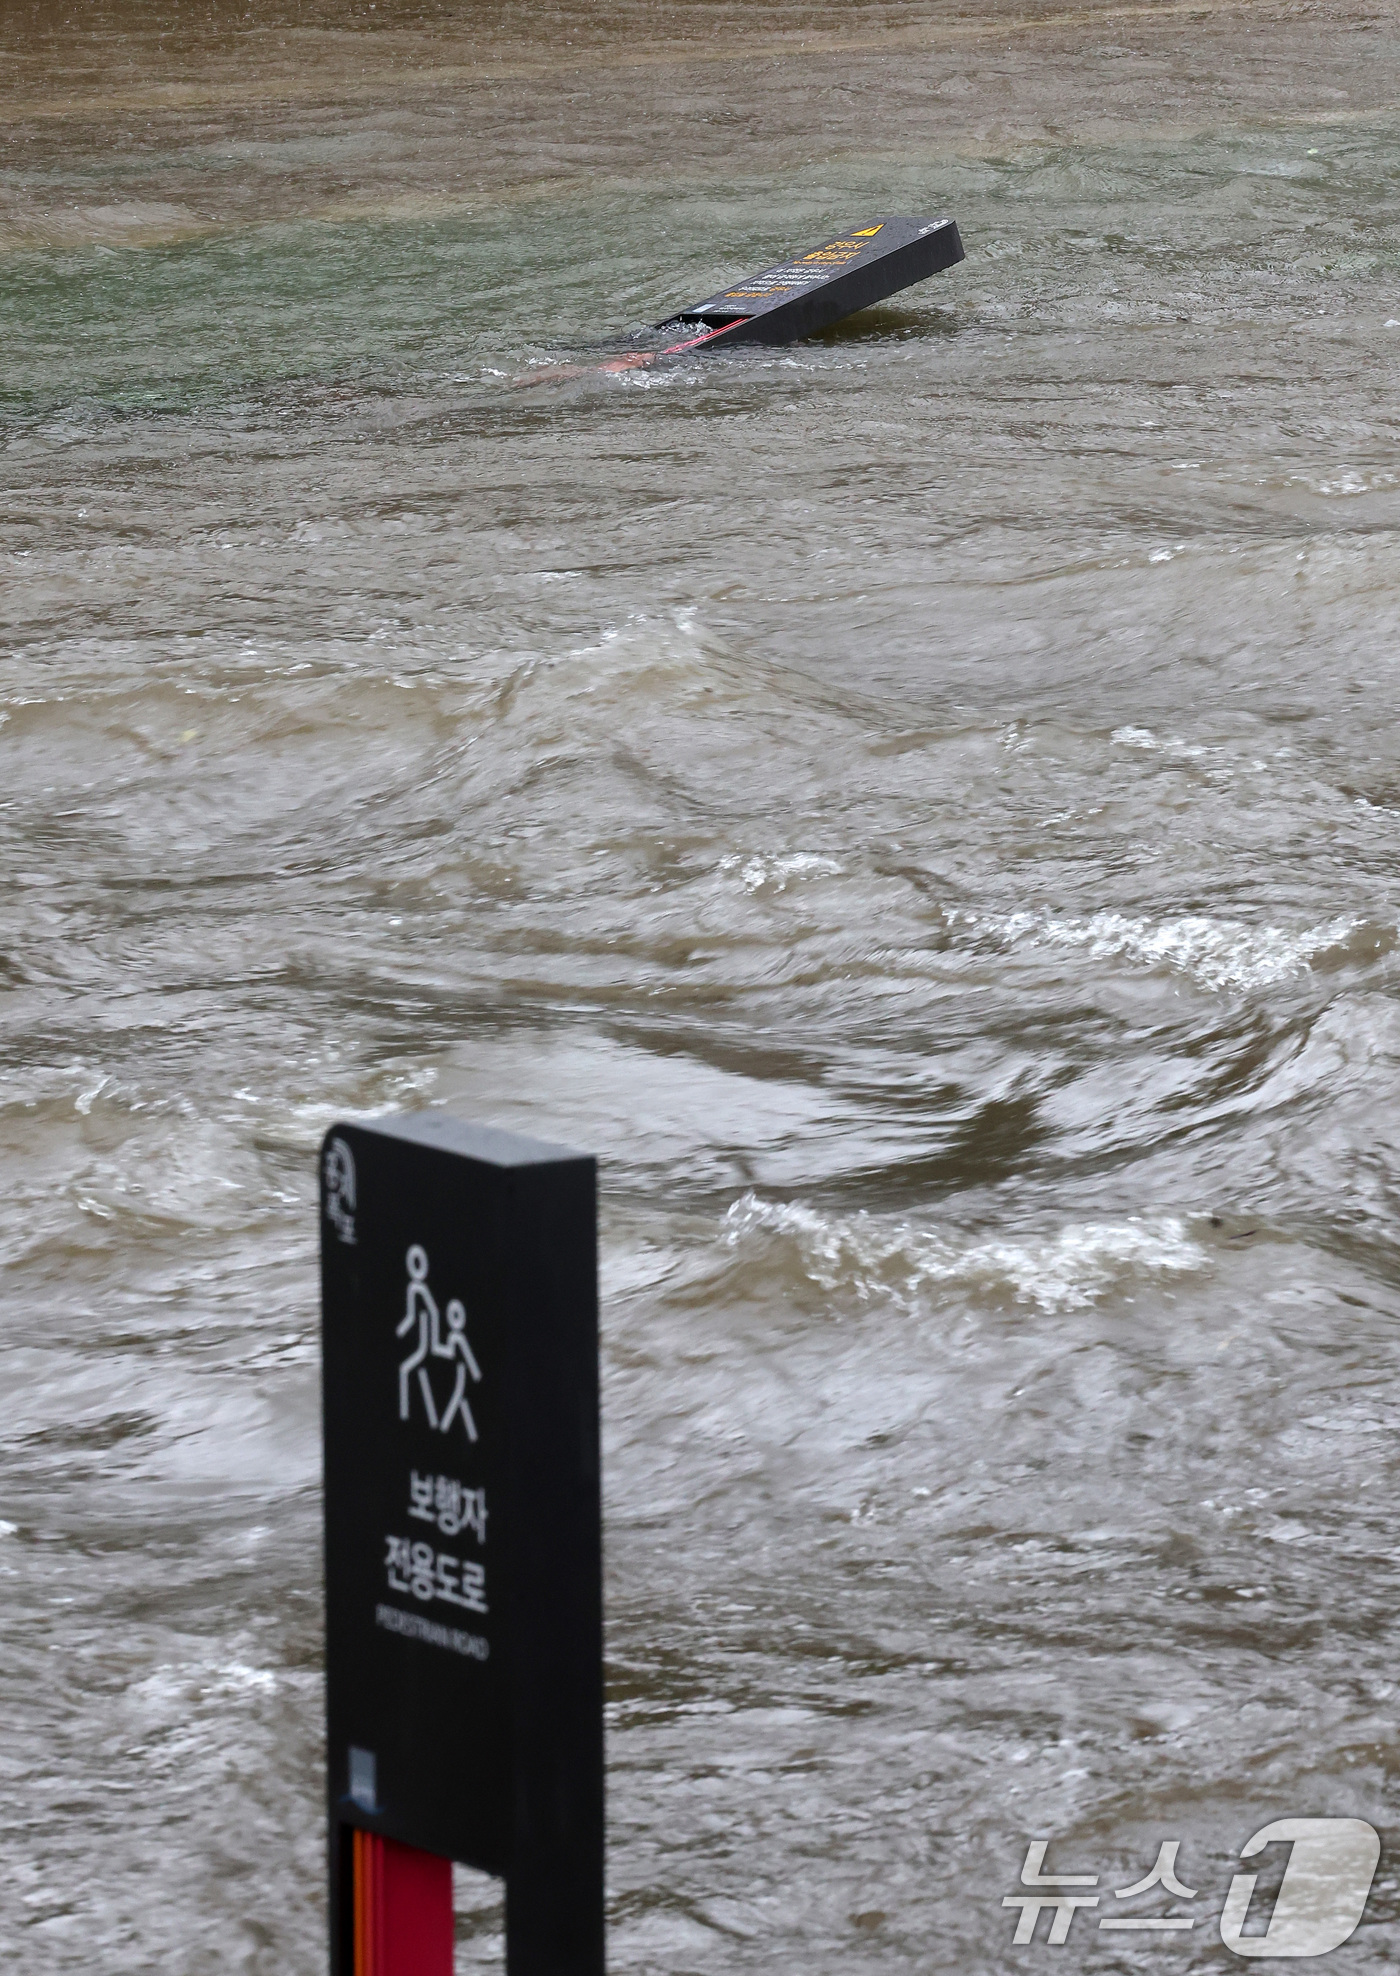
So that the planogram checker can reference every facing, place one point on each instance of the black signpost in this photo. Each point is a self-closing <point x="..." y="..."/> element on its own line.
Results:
<point x="812" y="291"/>
<point x="463" y="1540"/>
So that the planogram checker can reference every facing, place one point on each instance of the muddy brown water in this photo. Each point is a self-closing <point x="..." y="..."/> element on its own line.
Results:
<point x="922" y="806"/>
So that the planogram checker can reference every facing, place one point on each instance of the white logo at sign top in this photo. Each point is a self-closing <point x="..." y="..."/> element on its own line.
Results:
<point x="421" y="1314"/>
<point x="340" y="1189"/>
<point x="1323" y="1895"/>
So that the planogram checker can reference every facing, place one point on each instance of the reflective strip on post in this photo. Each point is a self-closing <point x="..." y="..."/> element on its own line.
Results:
<point x="403" y="1909"/>
<point x="364" y="1844"/>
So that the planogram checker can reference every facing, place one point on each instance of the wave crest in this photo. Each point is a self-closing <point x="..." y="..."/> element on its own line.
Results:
<point x="869" y="1257"/>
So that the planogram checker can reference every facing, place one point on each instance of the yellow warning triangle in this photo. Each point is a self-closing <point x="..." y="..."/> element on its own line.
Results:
<point x="866" y="232"/>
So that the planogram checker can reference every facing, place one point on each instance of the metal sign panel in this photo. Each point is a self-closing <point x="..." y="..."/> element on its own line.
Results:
<point x="851" y="271"/>
<point x="463" y="1545"/>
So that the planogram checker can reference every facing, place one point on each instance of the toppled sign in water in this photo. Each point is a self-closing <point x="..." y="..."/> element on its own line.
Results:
<point x="805" y="294"/>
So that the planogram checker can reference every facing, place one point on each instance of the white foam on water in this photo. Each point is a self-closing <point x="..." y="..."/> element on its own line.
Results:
<point x="775" y="871"/>
<point x="172" y="1692"/>
<point x="1148" y="740"/>
<point x="1069" y="1270"/>
<point x="1215" y="953"/>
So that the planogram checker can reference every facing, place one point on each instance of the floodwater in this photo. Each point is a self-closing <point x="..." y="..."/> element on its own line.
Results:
<point x="923" y="806"/>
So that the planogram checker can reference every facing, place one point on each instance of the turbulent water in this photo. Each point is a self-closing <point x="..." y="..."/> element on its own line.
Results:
<point x="922" y="806"/>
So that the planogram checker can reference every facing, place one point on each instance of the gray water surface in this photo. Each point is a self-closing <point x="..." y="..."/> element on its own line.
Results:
<point x="922" y="805"/>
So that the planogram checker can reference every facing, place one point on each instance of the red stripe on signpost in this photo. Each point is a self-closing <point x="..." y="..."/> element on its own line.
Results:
<point x="403" y="1909"/>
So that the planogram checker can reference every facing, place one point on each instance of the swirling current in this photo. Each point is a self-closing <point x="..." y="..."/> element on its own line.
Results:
<point x="921" y="805"/>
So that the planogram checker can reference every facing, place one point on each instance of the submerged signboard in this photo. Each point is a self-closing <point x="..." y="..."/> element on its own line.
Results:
<point x="851" y="271"/>
<point x="463" y="1547"/>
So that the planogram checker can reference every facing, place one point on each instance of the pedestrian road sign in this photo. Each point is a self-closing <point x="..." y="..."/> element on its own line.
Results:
<point x="463" y="1525"/>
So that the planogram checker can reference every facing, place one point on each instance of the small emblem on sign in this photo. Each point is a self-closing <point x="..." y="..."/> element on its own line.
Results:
<point x="363" y="1787"/>
<point x="340" y="1189"/>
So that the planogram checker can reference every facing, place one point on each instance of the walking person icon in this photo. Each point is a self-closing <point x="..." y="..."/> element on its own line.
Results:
<point x="422" y="1310"/>
<point x="456" y="1342"/>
